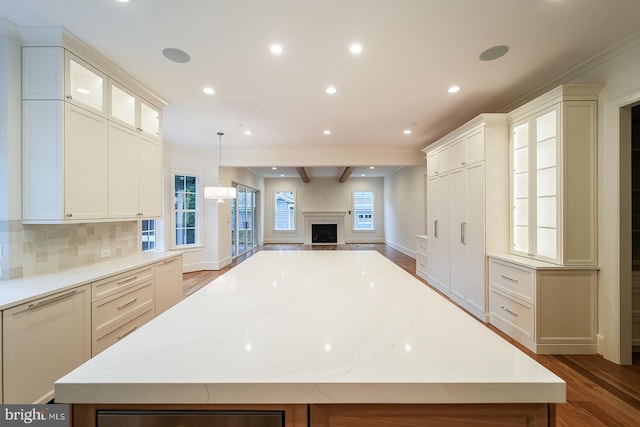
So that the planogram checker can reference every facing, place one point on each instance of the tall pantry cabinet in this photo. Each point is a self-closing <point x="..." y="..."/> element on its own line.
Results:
<point x="467" y="196"/>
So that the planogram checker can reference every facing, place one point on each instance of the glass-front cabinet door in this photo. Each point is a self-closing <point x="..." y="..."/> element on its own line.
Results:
<point x="84" y="85"/>
<point x="123" y="105"/>
<point x="534" y="185"/>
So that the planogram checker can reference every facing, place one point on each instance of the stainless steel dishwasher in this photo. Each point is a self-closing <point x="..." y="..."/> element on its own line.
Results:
<point x="189" y="418"/>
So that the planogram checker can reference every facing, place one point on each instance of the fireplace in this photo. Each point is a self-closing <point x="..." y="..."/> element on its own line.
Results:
<point x="335" y="219"/>
<point x="324" y="233"/>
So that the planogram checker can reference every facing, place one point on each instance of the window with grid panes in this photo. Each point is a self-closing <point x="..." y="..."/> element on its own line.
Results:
<point x="363" y="215"/>
<point x="186" y="209"/>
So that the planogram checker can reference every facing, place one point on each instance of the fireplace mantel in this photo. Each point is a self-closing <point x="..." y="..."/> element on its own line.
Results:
<point x="323" y="217"/>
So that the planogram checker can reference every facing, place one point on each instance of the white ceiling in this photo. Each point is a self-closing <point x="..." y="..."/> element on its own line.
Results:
<point x="413" y="51"/>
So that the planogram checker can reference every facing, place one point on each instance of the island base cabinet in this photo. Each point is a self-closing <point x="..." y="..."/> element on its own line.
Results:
<point x="168" y="288"/>
<point x="44" y="340"/>
<point x="90" y="415"/>
<point x="419" y="415"/>
<point x="349" y="415"/>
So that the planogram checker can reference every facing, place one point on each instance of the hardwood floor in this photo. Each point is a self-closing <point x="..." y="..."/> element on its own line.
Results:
<point x="599" y="393"/>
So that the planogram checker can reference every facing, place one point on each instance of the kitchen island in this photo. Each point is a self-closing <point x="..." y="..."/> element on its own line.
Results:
<point x="324" y="337"/>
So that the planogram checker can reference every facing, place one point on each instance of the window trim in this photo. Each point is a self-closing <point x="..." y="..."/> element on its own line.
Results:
<point x="148" y="232"/>
<point x="275" y="211"/>
<point x="198" y="210"/>
<point x="374" y="213"/>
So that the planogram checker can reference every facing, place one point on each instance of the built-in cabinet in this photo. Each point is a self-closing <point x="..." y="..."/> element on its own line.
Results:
<point x="43" y="340"/>
<point x="550" y="309"/>
<point x="554" y="176"/>
<point x="544" y="293"/>
<point x="467" y="185"/>
<point x="92" y="149"/>
<point x="635" y="309"/>
<point x="120" y="305"/>
<point x="168" y="287"/>
<point x="422" y="251"/>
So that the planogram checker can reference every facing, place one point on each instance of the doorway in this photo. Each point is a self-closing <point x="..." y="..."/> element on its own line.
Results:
<point x="244" y="232"/>
<point x="635" y="227"/>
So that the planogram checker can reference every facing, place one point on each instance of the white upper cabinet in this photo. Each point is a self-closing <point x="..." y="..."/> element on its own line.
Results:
<point x="130" y="110"/>
<point x="85" y="86"/>
<point x="123" y="105"/>
<point x="92" y="147"/>
<point x="553" y="181"/>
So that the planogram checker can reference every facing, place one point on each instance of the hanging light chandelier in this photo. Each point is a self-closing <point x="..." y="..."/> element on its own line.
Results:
<point x="220" y="193"/>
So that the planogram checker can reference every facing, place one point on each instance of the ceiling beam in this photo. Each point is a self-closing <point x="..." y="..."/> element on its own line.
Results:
<point x="346" y="173"/>
<point x="304" y="176"/>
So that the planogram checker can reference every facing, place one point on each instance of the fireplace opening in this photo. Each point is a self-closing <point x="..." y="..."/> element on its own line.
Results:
<point x="324" y="233"/>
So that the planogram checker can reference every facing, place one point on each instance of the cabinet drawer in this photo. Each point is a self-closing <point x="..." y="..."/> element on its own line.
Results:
<point x="421" y="247"/>
<point x="114" y="284"/>
<point x="517" y="315"/>
<point x="518" y="281"/>
<point x="113" y="310"/>
<point x="103" y="341"/>
<point x="421" y="265"/>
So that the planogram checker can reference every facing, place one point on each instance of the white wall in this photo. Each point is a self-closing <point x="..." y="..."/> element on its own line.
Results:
<point x="323" y="194"/>
<point x="620" y="71"/>
<point x="404" y="208"/>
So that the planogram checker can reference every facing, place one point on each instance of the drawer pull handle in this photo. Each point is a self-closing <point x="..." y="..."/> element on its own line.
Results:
<point x="127" y="281"/>
<point x="509" y="278"/>
<point x="33" y="306"/>
<point x="120" y="307"/>
<point x="509" y="311"/>
<point x="423" y="265"/>
<point x="127" y="333"/>
<point x="168" y="261"/>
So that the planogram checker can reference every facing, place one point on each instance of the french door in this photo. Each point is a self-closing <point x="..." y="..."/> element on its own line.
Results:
<point x="244" y="233"/>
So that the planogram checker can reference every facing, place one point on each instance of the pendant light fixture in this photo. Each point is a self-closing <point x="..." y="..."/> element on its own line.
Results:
<point x="220" y="194"/>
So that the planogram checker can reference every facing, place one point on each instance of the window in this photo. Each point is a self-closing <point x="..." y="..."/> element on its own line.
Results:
<point x="363" y="210"/>
<point x="186" y="209"/>
<point x="148" y="234"/>
<point x="285" y="210"/>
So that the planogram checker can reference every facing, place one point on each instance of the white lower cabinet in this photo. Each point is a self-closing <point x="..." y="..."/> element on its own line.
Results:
<point x="422" y="250"/>
<point x="168" y="287"/>
<point x="44" y="340"/>
<point x="550" y="309"/>
<point x="120" y="305"/>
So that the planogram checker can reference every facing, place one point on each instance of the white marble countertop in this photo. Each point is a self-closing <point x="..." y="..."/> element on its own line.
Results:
<point x="17" y="291"/>
<point x="312" y="327"/>
<point x="537" y="264"/>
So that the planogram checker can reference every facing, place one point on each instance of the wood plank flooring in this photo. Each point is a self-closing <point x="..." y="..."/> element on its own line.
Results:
<point x="599" y="393"/>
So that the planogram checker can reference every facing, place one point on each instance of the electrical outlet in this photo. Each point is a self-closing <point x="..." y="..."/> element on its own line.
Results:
<point x="105" y="253"/>
<point x="0" y="251"/>
<point x="0" y="272"/>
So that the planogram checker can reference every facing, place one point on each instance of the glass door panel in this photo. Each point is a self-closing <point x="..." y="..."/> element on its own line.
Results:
<point x="520" y="182"/>
<point x="244" y="234"/>
<point x="546" y="184"/>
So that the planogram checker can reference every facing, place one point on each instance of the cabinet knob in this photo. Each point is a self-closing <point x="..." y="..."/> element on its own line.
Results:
<point x="69" y="97"/>
<point x="69" y="215"/>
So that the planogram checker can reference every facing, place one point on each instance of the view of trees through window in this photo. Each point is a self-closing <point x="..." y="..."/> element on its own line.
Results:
<point x="148" y="234"/>
<point x="185" y="192"/>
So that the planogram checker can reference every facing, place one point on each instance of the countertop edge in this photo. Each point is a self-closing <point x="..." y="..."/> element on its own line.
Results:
<point x="38" y="286"/>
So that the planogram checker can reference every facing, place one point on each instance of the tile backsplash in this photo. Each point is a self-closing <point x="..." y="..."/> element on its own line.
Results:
<point x="45" y="248"/>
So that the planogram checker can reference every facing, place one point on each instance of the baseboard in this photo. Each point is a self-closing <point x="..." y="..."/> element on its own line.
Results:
<point x="200" y="266"/>
<point x="408" y="252"/>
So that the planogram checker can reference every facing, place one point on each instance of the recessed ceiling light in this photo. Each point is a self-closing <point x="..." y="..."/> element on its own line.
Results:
<point x="407" y="131"/>
<point x="355" y="48"/>
<point x="372" y="167"/>
<point x="247" y="132"/>
<point x="362" y="174"/>
<point x="83" y="91"/>
<point x="123" y="1"/>
<point x="274" y="168"/>
<point x="282" y="175"/>
<point x="453" y="89"/>
<point x="494" y="52"/>
<point x="209" y="90"/>
<point x="276" y="49"/>
<point x="176" y="55"/>
<point x="327" y="132"/>
<point x="331" y="90"/>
